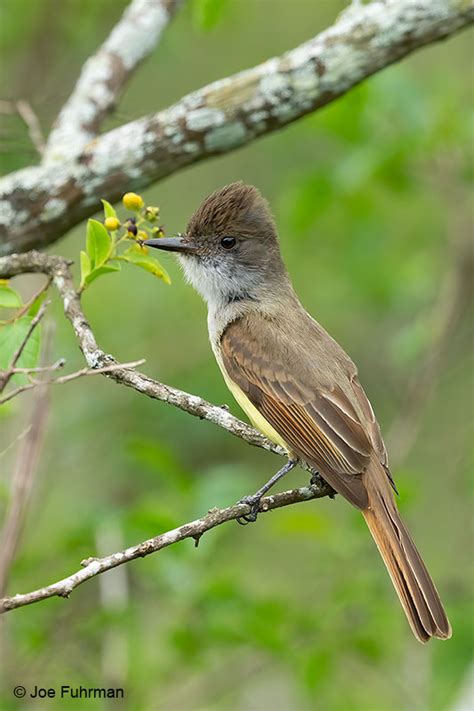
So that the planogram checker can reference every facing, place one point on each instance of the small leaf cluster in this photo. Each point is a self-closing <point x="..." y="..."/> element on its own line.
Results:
<point x="111" y="242"/>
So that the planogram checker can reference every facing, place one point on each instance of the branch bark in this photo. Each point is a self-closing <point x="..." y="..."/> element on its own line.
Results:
<point x="193" y="529"/>
<point x="39" y="204"/>
<point x="105" y="74"/>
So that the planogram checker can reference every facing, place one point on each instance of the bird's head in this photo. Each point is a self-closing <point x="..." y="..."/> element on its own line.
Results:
<point x="230" y="247"/>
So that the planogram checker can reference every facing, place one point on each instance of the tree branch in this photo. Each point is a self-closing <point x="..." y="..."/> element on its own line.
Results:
<point x="39" y="204"/>
<point x="63" y="379"/>
<point x="194" y="529"/>
<point x="105" y="74"/>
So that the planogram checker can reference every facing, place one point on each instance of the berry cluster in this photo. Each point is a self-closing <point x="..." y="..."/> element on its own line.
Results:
<point x="114" y="241"/>
<point x="140" y="226"/>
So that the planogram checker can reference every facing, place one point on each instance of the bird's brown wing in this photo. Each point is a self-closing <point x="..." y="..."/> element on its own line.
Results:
<point x="319" y="424"/>
<point x="373" y="428"/>
<point x="325" y="418"/>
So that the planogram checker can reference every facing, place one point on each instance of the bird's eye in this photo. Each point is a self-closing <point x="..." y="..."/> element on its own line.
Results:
<point x="228" y="242"/>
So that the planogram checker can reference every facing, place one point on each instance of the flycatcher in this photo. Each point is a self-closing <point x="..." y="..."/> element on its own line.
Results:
<point x="296" y="384"/>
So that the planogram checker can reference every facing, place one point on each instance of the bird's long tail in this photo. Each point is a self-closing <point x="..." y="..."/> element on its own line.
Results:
<point x="415" y="589"/>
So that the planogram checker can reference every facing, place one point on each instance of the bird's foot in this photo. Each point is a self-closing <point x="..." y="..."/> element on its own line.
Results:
<point x="318" y="481"/>
<point x="254" y="499"/>
<point x="254" y="502"/>
<point x="316" y="478"/>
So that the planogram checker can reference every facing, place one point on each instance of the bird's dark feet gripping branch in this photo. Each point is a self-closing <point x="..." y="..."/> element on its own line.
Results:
<point x="253" y="500"/>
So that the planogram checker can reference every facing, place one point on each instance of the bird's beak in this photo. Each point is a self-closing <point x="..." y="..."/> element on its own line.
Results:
<point x="172" y="244"/>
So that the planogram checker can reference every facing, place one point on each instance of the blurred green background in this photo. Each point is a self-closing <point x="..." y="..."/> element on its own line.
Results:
<point x="296" y="612"/>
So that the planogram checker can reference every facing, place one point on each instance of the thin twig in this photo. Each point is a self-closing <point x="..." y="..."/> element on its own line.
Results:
<point x="60" y="363"/>
<point x="23" y="310"/>
<point x="65" y="378"/>
<point x="25" y="111"/>
<point x="193" y="529"/>
<point x="31" y="120"/>
<point x="94" y="371"/>
<point x="8" y="374"/>
<point x="17" y="391"/>
<point x="34" y="322"/>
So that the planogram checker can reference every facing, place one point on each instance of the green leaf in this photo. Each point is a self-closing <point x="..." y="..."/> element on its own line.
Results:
<point x="135" y="255"/>
<point x="9" y="298"/>
<point x="99" y="244"/>
<point x="109" y="211"/>
<point x="207" y="13"/>
<point x="85" y="267"/>
<point x="11" y="336"/>
<point x="104" y="269"/>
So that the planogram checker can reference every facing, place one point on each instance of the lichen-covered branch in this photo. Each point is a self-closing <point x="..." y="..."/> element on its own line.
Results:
<point x="194" y="529"/>
<point x="105" y="74"/>
<point x="38" y="204"/>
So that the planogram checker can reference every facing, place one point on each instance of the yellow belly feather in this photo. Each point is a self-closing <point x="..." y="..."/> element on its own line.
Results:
<point x="255" y="417"/>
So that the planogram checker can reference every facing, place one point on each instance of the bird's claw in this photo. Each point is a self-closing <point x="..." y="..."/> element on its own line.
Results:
<point x="317" y="480"/>
<point x="251" y="517"/>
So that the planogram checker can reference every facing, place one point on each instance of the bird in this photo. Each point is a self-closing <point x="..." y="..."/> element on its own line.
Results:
<point x="295" y="382"/>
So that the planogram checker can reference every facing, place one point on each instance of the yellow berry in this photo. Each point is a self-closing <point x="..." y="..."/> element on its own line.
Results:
<point x="151" y="213"/>
<point x="111" y="224"/>
<point x="132" y="201"/>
